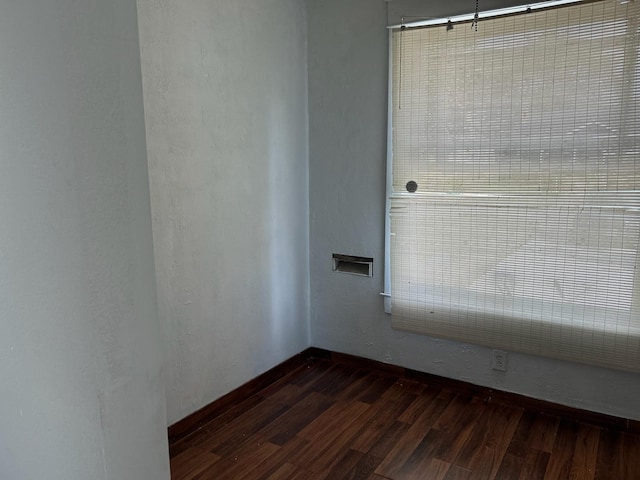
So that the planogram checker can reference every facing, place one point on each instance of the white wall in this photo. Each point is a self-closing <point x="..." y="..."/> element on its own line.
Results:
<point x="347" y="154"/>
<point x="226" y="119"/>
<point x="80" y="360"/>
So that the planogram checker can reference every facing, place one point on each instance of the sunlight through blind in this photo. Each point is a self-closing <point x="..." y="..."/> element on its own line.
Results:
<point x="515" y="208"/>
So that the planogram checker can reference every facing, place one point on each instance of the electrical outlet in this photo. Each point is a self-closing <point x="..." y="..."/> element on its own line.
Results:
<point x="499" y="360"/>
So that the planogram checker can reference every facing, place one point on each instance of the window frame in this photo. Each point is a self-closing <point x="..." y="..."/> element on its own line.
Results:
<point x="389" y="177"/>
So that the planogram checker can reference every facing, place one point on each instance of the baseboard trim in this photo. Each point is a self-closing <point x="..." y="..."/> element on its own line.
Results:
<point x="498" y="396"/>
<point x="197" y="419"/>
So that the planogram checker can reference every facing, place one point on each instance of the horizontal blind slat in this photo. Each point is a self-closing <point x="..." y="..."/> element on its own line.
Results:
<point x="523" y="139"/>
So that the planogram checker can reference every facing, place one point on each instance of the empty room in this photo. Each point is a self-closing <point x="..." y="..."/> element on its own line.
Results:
<point x="319" y="239"/>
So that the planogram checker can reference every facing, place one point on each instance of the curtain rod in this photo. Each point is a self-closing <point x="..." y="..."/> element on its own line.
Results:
<point x="486" y="14"/>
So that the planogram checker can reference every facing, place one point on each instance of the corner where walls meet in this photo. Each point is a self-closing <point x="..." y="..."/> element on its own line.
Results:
<point x="225" y="94"/>
<point x="348" y="71"/>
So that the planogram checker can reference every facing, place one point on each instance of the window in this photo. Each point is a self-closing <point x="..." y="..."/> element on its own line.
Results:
<point x="515" y="182"/>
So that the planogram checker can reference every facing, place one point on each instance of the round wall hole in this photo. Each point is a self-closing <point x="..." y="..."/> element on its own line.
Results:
<point x="411" y="186"/>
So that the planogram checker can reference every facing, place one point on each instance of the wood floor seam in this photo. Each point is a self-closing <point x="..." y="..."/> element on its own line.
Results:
<point x="324" y="421"/>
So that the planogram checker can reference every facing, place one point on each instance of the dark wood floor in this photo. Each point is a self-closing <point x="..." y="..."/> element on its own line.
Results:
<point x="335" y="421"/>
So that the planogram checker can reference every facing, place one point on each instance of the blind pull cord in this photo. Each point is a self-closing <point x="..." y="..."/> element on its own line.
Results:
<point x="476" y="16"/>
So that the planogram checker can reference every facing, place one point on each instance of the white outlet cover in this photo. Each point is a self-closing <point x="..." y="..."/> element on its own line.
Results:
<point x="499" y="360"/>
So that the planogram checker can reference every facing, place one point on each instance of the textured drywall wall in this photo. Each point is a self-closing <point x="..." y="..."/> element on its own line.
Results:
<point x="80" y="353"/>
<point x="347" y="153"/>
<point x="226" y="118"/>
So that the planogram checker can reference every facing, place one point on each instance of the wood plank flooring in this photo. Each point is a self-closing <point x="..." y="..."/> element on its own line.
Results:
<point x="334" y="421"/>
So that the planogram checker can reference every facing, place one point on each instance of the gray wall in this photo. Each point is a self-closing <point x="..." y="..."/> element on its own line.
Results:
<point x="80" y="359"/>
<point x="347" y="154"/>
<point x="226" y="119"/>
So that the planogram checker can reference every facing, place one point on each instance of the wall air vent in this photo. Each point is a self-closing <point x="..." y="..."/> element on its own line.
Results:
<point x="353" y="265"/>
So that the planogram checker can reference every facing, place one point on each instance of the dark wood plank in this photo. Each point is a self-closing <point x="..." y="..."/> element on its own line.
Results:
<point x="310" y="373"/>
<point x="489" y="441"/>
<point x="363" y="469"/>
<point x="361" y="380"/>
<point x="535" y="466"/>
<point x="404" y="386"/>
<point x="611" y="460"/>
<point x="194" y="421"/>
<point x="240" y="465"/>
<point x="329" y="436"/>
<point x="415" y="409"/>
<point x="375" y="476"/>
<point x="302" y="474"/>
<point x="285" y="393"/>
<point x="543" y="432"/>
<point x="457" y="422"/>
<point x="376" y="388"/>
<point x="518" y="457"/>
<point x="583" y="464"/>
<point x="229" y="438"/>
<point x="210" y="428"/>
<point x="337" y="417"/>
<point x="270" y="465"/>
<point x="191" y="462"/>
<point x="421" y="463"/>
<point x="388" y="440"/>
<point x="341" y="421"/>
<point x="561" y="457"/>
<point x="384" y="414"/>
<point x="528" y="403"/>
<point x="401" y="452"/>
<point x="346" y="463"/>
<point x="323" y="453"/>
<point x="433" y="468"/>
<point x="299" y="416"/>
<point x="510" y="467"/>
<point x="371" y="365"/>
<point x="421" y="455"/>
<point x="450" y="416"/>
<point x="457" y="473"/>
<point x="283" y="472"/>
<point x="336" y="379"/>
<point x="631" y="454"/>
<point x="521" y="441"/>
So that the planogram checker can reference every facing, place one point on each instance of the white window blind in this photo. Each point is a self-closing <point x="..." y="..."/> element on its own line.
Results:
<point x="522" y="143"/>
